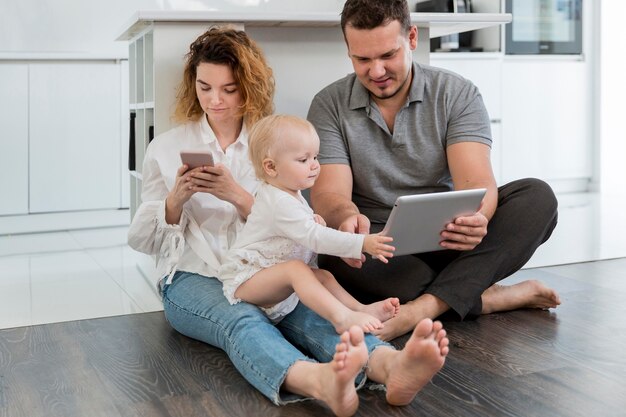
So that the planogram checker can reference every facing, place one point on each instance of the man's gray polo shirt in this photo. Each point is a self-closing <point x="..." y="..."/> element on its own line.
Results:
<point x="443" y="108"/>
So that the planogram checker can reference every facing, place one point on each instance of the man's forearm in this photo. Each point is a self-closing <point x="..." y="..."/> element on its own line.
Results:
<point x="490" y="202"/>
<point x="334" y="208"/>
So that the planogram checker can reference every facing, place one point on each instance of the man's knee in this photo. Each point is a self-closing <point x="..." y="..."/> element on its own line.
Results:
<point x="532" y="205"/>
<point x="545" y="205"/>
<point x="543" y="194"/>
<point x="533" y="196"/>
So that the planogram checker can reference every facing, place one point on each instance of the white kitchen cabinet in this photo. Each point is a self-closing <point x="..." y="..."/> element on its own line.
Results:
<point x="541" y="114"/>
<point x="13" y="138"/>
<point x="496" y="151"/>
<point x="74" y="136"/>
<point x="547" y="122"/>
<point x="61" y="142"/>
<point x="485" y="71"/>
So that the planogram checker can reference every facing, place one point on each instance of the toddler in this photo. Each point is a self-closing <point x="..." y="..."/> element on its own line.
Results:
<point x="272" y="262"/>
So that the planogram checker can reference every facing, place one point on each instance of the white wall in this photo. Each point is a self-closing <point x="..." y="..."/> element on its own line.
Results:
<point x="612" y="166"/>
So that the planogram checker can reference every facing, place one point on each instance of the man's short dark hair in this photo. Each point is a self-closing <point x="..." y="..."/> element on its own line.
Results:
<point x="370" y="14"/>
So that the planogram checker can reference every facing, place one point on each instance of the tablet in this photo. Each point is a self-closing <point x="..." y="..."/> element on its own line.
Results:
<point x="416" y="221"/>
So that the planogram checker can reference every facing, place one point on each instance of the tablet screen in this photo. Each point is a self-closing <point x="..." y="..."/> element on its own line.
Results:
<point x="416" y="221"/>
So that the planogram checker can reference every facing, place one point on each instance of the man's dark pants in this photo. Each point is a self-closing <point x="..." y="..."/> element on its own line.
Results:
<point x="525" y="218"/>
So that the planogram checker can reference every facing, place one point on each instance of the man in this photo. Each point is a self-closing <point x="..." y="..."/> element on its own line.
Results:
<point x="395" y="127"/>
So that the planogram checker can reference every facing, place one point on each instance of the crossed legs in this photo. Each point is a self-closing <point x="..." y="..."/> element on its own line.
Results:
<point x="428" y="285"/>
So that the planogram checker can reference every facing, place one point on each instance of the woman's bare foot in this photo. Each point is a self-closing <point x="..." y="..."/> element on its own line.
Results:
<point x="346" y="319"/>
<point x="338" y="390"/>
<point x="414" y="366"/>
<point x="526" y="294"/>
<point x="383" y="310"/>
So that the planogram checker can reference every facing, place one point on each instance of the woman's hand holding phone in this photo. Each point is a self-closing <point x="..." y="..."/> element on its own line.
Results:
<point x="204" y="176"/>
<point x="218" y="180"/>
<point x="183" y="187"/>
<point x="181" y="192"/>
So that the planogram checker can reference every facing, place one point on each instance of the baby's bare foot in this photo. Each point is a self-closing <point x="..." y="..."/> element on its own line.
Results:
<point x="350" y="318"/>
<point x="415" y="365"/>
<point x="401" y="324"/>
<point x="383" y="310"/>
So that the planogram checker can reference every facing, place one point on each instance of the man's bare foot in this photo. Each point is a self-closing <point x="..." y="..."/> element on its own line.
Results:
<point x="526" y="294"/>
<point x="383" y="310"/>
<point x="414" y="366"/>
<point x="348" y="318"/>
<point x="426" y="306"/>
<point x="338" y="391"/>
<point x="405" y="321"/>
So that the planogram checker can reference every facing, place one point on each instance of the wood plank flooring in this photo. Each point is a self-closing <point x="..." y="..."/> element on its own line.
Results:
<point x="568" y="362"/>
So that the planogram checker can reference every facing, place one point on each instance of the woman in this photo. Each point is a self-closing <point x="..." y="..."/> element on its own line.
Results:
<point x="189" y="218"/>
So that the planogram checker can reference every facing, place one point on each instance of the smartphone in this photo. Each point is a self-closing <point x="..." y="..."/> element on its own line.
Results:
<point x="196" y="158"/>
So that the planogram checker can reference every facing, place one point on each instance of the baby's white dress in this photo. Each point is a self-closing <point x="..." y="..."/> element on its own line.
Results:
<point x="280" y="228"/>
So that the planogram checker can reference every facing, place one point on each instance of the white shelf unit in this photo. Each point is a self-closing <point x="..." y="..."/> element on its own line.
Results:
<point x="155" y="57"/>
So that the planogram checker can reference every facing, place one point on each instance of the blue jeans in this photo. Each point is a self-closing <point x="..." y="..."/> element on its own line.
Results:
<point x="196" y="307"/>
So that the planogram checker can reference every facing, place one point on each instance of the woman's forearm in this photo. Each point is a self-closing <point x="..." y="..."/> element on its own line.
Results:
<point x="243" y="203"/>
<point x="173" y="212"/>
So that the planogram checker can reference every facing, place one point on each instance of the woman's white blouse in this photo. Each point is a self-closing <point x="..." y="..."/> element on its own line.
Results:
<point x="208" y="226"/>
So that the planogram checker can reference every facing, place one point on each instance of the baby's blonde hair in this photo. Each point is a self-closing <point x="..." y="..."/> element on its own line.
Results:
<point x="266" y="134"/>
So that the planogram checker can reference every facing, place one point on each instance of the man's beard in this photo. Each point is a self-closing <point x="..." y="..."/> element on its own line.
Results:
<point x="393" y="94"/>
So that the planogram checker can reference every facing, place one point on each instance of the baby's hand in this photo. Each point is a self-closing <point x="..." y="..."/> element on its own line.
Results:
<point x="376" y="245"/>
<point x="319" y="220"/>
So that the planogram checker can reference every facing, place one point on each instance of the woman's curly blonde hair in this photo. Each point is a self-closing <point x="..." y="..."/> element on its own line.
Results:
<point x="254" y="77"/>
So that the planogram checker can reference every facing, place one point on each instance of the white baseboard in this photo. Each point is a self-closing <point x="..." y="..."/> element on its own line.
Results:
<point x="570" y="185"/>
<point x="52" y="222"/>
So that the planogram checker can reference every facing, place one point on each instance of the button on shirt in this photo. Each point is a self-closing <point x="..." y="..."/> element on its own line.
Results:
<point x="208" y="225"/>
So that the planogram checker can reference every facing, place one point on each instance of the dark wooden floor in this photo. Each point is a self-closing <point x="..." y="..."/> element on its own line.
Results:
<point x="569" y="362"/>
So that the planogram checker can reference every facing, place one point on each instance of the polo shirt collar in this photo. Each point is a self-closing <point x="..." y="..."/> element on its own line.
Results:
<point x="360" y="96"/>
<point x="418" y="85"/>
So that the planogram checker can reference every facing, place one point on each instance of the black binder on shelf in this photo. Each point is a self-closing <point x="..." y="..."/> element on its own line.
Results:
<point x="131" y="142"/>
